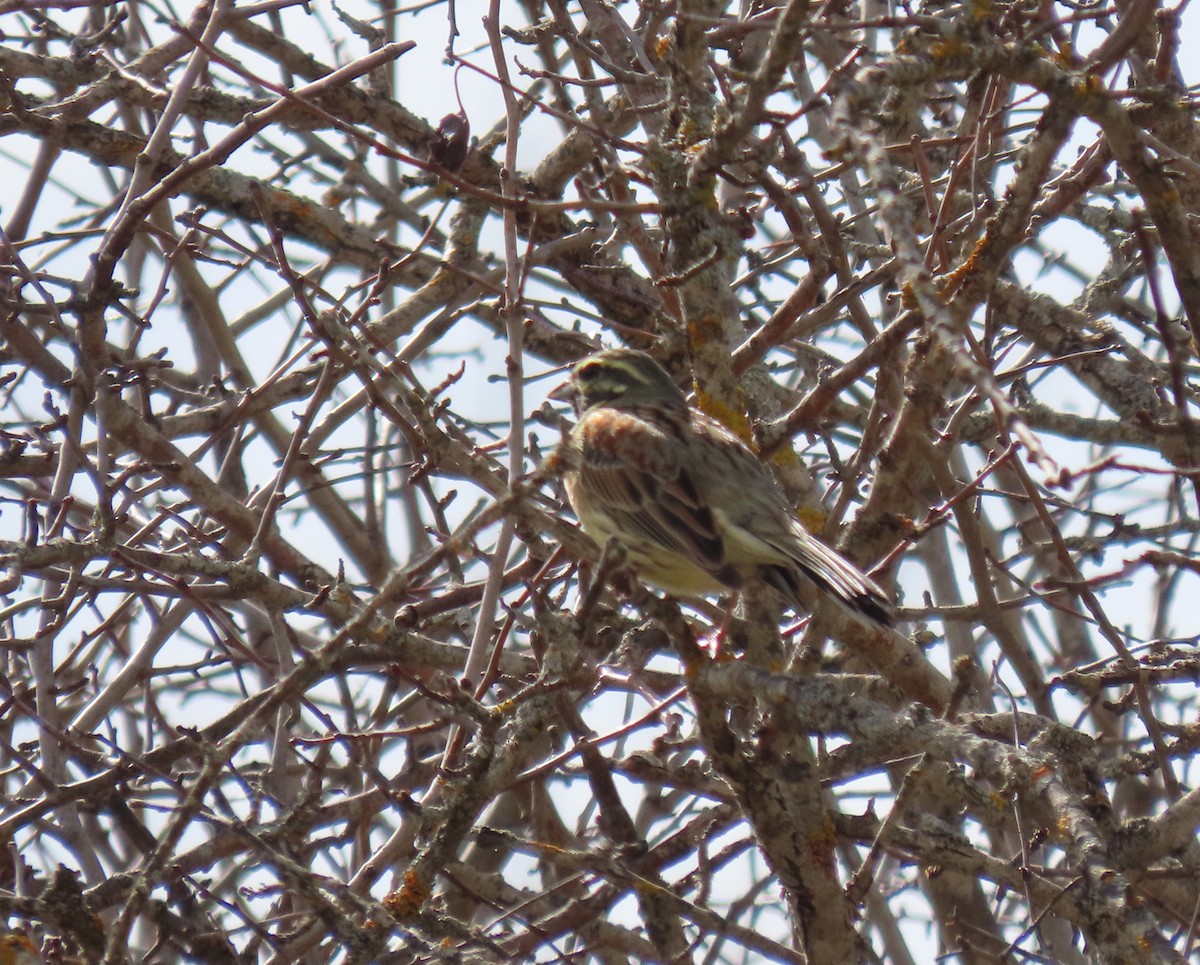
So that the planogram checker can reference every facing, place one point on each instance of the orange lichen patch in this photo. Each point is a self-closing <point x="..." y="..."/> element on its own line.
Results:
<point x="1065" y="55"/>
<point x="128" y="150"/>
<point x="704" y="330"/>
<point x="955" y="278"/>
<point x="705" y="192"/>
<point x="949" y="49"/>
<point x="811" y="519"/>
<point x="663" y="45"/>
<point x="731" y="417"/>
<point x="690" y="132"/>
<point x="822" y="841"/>
<point x="693" y="664"/>
<point x="293" y="204"/>
<point x="407" y="901"/>
<point x="784" y="457"/>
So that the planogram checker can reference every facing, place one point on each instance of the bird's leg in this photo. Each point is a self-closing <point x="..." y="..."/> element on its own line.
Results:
<point x="718" y="639"/>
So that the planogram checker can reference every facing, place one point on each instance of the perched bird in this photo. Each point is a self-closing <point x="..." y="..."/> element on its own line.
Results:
<point x="690" y="502"/>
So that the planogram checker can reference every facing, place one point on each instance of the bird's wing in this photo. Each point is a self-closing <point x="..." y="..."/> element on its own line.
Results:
<point x="838" y="576"/>
<point x="760" y="530"/>
<point x="631" y="467"/>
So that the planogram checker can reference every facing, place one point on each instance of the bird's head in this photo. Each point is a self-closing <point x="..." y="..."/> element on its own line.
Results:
<point x="622" y="378"/>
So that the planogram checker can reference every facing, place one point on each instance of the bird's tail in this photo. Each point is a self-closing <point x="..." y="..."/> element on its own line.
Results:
<point x="841" y="579"/>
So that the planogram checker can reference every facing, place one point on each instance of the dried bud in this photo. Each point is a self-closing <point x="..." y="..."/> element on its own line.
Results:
<point x="451" y="141"/>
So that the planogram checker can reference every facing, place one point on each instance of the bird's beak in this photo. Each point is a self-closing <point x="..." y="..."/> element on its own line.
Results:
<point x="564" y="393"/>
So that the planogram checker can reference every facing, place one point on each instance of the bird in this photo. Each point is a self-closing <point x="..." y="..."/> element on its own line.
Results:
<point x="694" y="508"/>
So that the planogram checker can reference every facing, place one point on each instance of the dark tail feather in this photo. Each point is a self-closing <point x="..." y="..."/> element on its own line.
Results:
<point x="840" y="578"/>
